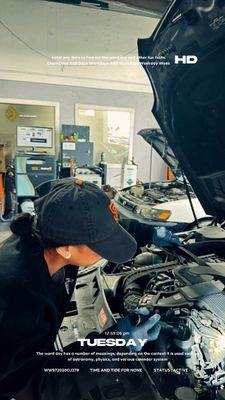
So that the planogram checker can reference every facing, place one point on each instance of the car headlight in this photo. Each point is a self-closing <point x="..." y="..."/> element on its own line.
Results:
<point x="152" y="213"/>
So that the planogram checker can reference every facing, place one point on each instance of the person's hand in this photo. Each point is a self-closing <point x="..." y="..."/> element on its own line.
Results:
<point x="148" y="329"/>
<point x="162" y="237"/>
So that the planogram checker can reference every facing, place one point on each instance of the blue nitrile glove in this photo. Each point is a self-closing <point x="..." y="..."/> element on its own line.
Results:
<point x="148" y="329"/>
<point x="162" y="237"/>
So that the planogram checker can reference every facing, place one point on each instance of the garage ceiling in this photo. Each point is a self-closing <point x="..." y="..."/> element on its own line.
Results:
<point x="32" y="31"/>
<point x="138" y="7"/>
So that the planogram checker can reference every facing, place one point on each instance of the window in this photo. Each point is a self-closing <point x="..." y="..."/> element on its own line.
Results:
<point x="111" y="130"/>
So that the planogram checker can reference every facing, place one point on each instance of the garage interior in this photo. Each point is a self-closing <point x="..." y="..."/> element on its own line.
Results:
<point x="95" y="107"/>
<point x="80" y="102"/>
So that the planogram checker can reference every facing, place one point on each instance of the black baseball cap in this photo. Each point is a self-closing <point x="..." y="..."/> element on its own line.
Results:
<point x="71" y="212"/>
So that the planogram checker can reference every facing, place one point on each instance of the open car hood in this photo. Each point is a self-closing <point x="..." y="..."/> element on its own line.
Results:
<point x="190" y="98"/>
<point x="159" y="143"/>
<point x="138" y="7"/>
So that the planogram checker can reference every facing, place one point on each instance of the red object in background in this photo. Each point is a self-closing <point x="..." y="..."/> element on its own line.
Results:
<point x="69" y="138"/>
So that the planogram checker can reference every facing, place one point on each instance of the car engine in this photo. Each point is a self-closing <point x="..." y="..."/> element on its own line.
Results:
<point x="186" y="286"/>
<point x="201" y="320"/>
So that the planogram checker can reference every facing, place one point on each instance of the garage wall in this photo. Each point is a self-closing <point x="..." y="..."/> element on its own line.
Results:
<point x="68" y="96"/>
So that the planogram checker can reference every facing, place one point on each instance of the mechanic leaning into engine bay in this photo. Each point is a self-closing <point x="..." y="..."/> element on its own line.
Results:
<point x="74" y="224"/>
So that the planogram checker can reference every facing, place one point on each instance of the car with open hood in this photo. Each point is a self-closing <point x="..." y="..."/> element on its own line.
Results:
<point x="185" y="60"/>
<point x="186" y="284"/>
<point x="162" y="202"/>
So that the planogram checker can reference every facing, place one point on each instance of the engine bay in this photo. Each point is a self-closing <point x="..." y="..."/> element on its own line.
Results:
<point x="157" y="192"/>
<point x="186" y="287"/>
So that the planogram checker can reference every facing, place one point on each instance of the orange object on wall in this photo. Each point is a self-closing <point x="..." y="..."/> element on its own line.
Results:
<point x="1" y="192"/>
<point x="169" y="174"/>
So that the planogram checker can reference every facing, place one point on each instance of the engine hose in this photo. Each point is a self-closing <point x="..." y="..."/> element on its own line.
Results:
<point x="132" y="277"/>
<point x="192" y="256"/>
<point x="2" y="219"/>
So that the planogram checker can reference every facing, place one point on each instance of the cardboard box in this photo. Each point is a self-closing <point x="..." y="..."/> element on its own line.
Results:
<point x="2" y="159"/>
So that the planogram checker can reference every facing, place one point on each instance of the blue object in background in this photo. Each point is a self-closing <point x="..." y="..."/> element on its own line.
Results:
<point x="162" y="237"/>
<point x="31" y="170"/>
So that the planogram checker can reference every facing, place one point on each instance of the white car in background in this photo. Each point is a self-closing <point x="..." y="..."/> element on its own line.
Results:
<point x="165" y="202"/>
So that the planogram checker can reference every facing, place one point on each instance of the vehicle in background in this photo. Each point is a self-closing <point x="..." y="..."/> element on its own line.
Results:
<point x="163" y="202"/>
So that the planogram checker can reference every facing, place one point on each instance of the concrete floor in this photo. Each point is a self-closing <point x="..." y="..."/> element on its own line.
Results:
<point x="4" y="230"/>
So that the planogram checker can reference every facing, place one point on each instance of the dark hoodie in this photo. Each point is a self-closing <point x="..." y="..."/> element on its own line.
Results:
<point x="32" y="307"/>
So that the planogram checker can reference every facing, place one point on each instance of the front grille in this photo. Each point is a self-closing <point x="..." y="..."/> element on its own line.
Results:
<point x="126" y="204"/>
